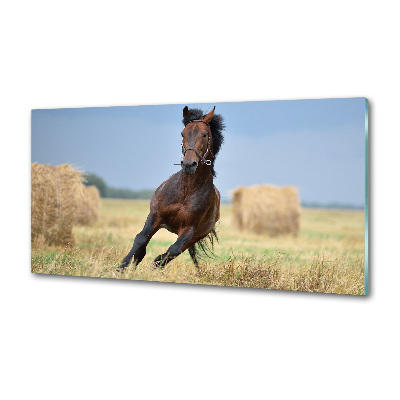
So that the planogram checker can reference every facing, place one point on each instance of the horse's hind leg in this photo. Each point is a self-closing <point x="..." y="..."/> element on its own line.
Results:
<point x="138" y="250"/>
<point x="183" y="242"/>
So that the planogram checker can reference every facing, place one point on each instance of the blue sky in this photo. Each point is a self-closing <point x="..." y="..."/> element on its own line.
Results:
<point x="316" y="145"/>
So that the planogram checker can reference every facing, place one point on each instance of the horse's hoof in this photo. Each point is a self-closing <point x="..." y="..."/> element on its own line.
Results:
<point x="157" y="265"/>
<point x="121" y="269"/>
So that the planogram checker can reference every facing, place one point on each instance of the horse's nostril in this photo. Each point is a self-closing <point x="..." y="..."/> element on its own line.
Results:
<point x="189" y="166"/>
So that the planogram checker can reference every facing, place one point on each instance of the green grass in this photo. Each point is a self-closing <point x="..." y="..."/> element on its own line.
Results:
<point x="326" y="256"/>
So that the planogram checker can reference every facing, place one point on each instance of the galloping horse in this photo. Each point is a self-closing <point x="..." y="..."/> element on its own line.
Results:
<point x="187" y="203"/>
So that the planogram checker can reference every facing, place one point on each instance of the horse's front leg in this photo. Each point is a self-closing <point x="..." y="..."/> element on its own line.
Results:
<point x="183" y="242"/>
<point x="138" y="250"/>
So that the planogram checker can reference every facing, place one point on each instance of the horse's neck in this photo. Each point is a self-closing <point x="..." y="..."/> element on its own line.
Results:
<point x="200" y="179"/>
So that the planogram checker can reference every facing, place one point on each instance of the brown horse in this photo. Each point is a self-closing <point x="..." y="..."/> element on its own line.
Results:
<point x="187" y="203"/>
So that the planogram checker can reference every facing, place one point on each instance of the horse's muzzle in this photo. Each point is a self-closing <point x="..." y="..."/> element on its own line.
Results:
<point x="189" y="169"/>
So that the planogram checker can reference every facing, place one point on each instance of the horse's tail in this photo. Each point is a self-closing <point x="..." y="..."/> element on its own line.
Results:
<point x="203" y="247"/>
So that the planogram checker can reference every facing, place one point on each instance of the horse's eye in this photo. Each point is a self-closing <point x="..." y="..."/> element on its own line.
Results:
<point x="205" y="135"/>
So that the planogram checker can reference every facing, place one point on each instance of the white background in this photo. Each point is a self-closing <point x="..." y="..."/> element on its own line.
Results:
<point x="75" y="338"/>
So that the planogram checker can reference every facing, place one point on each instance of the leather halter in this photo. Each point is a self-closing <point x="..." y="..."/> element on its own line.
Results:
<point x="203" y="159"/>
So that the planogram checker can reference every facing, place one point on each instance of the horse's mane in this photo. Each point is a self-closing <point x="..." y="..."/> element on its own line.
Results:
<point x="216" y="125"/>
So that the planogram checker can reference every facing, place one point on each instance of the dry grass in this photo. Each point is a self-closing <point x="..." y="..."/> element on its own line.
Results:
<point x="56" y="192"/>
<point x="326" y="256"/>
<point x="267" y="209"/>
<point x="89" y="206"/>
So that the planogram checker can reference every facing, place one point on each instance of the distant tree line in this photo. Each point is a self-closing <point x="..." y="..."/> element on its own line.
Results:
<point x="115" y="193"/>
<point x="334" y="205"/>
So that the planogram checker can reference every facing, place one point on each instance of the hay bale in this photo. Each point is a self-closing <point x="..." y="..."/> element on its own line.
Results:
<point x="89" y="206"/>
<point x="56" y="192"/>
<point x="267" y="209"/>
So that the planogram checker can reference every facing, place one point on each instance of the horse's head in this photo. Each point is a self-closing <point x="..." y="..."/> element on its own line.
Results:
<point x="197" y="143"/>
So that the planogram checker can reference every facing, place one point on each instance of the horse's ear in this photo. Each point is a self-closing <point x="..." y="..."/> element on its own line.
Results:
<point x="186" y="112"/>
<point x="208" y="117"/>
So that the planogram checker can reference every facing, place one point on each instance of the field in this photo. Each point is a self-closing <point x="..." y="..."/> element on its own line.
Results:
<point x="326" y="256"/>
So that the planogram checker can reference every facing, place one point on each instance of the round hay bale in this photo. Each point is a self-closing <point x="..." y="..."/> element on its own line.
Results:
<point x="267" y="209"/>
<point x="89" y="206"/>
<point x="56" y="192"/>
